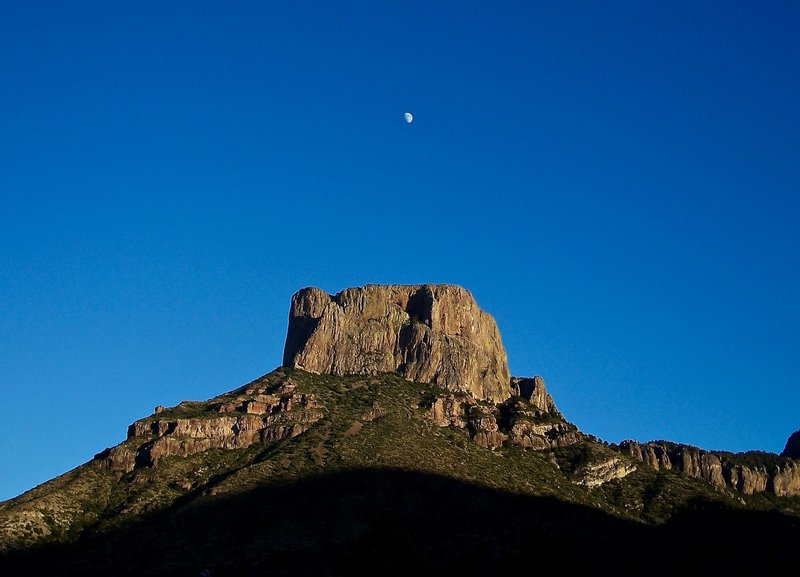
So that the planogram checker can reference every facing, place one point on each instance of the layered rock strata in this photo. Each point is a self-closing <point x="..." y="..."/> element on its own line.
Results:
<point x="593" y="475"/>
<point x="238" y="423"/>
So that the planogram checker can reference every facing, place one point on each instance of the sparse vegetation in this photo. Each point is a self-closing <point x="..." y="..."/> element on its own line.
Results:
<point x="94" y="507"/>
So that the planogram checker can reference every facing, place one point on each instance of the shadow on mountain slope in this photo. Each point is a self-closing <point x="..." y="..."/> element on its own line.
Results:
<point x="390" y="522"/>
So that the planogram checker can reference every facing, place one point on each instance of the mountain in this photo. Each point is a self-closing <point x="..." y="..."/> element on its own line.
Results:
<point x="394" y="440"/>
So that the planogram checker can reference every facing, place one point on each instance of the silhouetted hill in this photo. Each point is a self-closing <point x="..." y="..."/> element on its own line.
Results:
<point x="394" y="522"/>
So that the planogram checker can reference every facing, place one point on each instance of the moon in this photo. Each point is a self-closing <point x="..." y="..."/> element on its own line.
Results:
<point x="408" y="117"/>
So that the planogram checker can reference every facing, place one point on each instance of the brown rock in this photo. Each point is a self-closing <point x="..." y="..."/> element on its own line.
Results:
<point x="656" y="457"/>
<point x="490" y="439"/>
<point x="706" y="465"/>
<point x="653" y="455"/>
<point x="233" y="425"/>
<point x="753" y="480"/>
<point x="732" y="477"/>
<point x="543" y="436"/>
<point x="786" y="481"/>
<point x="689" y="461"/>
<point x="256" y="407"/>
<point x="447" y="410"/>
<point x="633" y="449"/>
<point x="484" y="429"/>
<point x="711" y="470"/>
<point x="282" y="432"/>
<point x="374" y="413"/>
<point x="427" y="333"/>
<point x="287" y="388"/>
<point x="595" y="474"/>
<point x="533" y="391"/>
<point x="305" y="417"/>
<point x="119" y="458"/>
<point x="259" y="405"/>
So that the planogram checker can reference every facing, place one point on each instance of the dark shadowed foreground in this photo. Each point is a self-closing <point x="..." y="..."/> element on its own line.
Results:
<point x="391" y="522"/>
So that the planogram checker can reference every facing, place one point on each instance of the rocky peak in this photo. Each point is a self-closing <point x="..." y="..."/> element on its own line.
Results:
<point x="533" y="391"/>
<point x="792" y="448"/>
<point x="427" y="333"/>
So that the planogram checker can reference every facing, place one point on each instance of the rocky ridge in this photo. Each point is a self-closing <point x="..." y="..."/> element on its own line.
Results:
<point x="294" y="424"/>
<point x="431" y="334"/>
<point x="255" y="414"/>
<point x="781" y="476"/>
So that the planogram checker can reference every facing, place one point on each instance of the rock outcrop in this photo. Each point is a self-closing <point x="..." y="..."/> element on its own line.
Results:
<point x="748" y="480"/>
<point x="691" y="461"/>
<point x="701" y="464"/>
<point x="595" y="474"/>
<point x="450" y="411"/>
<point x="375" y="412"/>
<point x="530" y="419"/>
<point x="719" y="469"/>
<point x="786" y="480"/>
<point x="482" y="424"/>
<point x="427" y="333"/>
<point x="533" y="391"/>
<point x="650" y="454"/>
<point x="254" y="417"/>
<point x="540" y="436"/>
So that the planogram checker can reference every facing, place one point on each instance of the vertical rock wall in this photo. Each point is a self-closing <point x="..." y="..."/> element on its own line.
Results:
<point x="427" y="333"/>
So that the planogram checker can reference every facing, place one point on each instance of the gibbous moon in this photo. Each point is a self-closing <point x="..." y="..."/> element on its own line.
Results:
<point x="408" y="117"/>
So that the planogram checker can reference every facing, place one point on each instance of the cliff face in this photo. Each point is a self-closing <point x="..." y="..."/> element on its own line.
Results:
<point x="718" y="469"/>
<point x="530" y="419"/>
<point x="427" y="333"/>
<point x="533" y="391"/>
<point x="256" y="415"/>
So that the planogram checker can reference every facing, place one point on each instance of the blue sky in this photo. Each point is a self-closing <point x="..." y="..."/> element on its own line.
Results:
<point x="618" y="183"/>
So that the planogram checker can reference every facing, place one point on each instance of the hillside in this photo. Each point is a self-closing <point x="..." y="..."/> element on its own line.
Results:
<point x="298" y="473"/>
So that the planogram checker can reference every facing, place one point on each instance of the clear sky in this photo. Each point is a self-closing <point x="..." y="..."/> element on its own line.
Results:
<point x="618" y="183"/>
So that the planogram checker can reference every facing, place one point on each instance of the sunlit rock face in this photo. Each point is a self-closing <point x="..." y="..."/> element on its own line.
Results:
<point x="427" y="333"/>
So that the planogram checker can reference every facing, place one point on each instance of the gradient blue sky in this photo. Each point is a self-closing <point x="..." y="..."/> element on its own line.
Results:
<point x="618" y="183"/>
